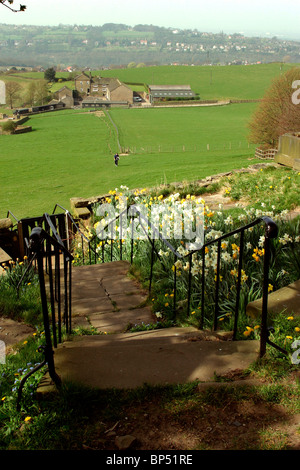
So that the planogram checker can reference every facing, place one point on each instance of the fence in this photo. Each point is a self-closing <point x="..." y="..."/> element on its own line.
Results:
<point x="265" y="154"/>
<point x="189" y="148"/>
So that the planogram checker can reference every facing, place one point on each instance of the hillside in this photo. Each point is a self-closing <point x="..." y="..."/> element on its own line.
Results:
<point x="118" y="44"/>
<point x="211" y="83"/>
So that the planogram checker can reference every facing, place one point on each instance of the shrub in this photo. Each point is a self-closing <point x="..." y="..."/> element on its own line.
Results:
<point x="8" y="127"/>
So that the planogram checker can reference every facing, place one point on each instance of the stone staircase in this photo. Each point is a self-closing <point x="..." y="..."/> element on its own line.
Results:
<point x="103" y="296"/>
<point x="106" y="298"/>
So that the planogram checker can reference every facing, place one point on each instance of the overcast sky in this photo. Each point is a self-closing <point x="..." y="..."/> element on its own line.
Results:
<point x="281" y="18"/>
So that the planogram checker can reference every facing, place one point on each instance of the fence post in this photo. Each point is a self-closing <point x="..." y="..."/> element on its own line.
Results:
<point x="271" y="231"/>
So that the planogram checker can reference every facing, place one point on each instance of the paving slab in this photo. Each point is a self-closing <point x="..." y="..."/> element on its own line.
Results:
<point x="119" y="321"/>
<point x="91" y="305"/>
<point x="105" y="298"/>
<point x="156" y="357"/>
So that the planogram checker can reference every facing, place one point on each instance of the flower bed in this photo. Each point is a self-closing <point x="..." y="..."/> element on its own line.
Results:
<point x="171" y="304"/>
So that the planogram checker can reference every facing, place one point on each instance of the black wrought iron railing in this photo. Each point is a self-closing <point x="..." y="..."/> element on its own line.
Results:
<point x="270" y="232"/>
<point x="53" y="262"/>
<point x="72" y="231"/>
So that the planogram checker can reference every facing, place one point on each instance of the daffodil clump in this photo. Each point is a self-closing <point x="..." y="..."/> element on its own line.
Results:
<point x="18" y="273"/>
<point x="275" y="186"/>
<point x="15" y="368"/>
<point x="185" y="260"/>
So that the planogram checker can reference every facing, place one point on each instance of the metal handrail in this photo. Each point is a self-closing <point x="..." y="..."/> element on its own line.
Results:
<point x="83" y="237"/>
<point x="10" y="213"/>
<point x="41" y="244"/>
<point x="271" y="231"/>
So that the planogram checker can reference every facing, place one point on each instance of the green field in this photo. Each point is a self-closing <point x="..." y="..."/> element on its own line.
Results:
<point x="211" y="82"/>
<point x="70" y="154"/>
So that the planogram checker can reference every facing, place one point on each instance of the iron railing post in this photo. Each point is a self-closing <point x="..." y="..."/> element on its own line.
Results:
<point x="151" y="266"/>
<point x="217" y="286"/>
<point x="271" y="231"/>
<point x="238" y="288"/>
<point x="36" y="246"/>
<point x="189" y="285"/>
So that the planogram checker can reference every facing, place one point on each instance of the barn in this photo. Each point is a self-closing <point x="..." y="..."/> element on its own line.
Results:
<point x="159" y="92"/>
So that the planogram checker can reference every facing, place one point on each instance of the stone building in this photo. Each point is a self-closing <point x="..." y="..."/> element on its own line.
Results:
<point x="83" y="83"/>
<point x="65" y="95"/>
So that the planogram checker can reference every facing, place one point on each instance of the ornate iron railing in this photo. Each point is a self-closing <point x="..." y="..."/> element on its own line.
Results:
<point x="44" y="246"/>
<point x="72" y="230"/>
<point x="271" y="231"/>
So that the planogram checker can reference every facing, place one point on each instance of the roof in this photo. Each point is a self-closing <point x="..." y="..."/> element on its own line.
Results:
<point x="169" y="87"/>
<point x="83" y="75"/>
<point x="171" y="90"/>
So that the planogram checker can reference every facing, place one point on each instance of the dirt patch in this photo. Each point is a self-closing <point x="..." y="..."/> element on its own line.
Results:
<point x="13" y="332"/>
<point x="192" y="425"/>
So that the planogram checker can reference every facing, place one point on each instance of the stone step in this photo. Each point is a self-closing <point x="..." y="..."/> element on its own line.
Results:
<point x="285" y="300"/>
<point x="156" y="357"/>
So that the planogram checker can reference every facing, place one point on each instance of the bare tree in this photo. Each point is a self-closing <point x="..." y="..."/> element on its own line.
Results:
<point x="31" y="93"/>
<point x="41" y="92"/>
<point x="12" y="92"/>
<point x="10" y="2"/>
<point x="277" y="113"/>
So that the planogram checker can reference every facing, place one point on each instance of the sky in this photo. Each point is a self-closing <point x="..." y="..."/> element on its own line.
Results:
<point x="252" y="18"/>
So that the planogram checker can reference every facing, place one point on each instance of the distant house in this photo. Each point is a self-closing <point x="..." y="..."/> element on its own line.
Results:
<point x="118" y="91"/>
<point x="65" y="95"/>
<point x="83" y="83"/>
<point x="158" y="92"/>
<point x="105" y="88"/>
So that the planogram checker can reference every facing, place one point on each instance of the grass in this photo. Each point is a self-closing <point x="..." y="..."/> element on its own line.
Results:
<point x="278" y="186"/>
<point x="216" y="82"/>
<point x="77" y="159"/>
<point x="79" y="418"/>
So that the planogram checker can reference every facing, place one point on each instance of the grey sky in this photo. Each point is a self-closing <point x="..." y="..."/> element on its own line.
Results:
<point x="281" y="18"/>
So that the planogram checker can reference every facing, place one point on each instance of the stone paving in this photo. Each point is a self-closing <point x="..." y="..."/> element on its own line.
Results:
<point x="107" y="299"/>
<point x="103" y="296"/>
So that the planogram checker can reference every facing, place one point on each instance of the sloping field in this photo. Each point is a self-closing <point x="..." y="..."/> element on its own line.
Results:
<point x="211" y="82"/>
<point x="70" y="154"/>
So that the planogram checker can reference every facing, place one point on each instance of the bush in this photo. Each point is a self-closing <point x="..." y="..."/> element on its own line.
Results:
<point x="9" y="127"/>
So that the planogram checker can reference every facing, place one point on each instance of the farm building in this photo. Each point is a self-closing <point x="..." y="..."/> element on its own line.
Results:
<point x="118" y="91"/>
<point x="83" y="83"/>
<point x="110" y="89"/>
<point x="158" y="92"/>
<point x="65" y="95"/>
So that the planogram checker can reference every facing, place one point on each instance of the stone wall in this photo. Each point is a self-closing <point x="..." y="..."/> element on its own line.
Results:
<point x="289" y="151"/>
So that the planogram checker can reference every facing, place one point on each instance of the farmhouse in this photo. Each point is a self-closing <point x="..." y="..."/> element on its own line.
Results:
<point x="105" y="88"/>
<point x="65" y="95"/>
<point x="157" y="92"/>
<point x="83" y="83"/>
<point x="117" y="91"/>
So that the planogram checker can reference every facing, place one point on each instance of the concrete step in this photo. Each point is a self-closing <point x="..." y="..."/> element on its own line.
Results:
<point x="156" y="357"/>
<point x="285" y="300"/>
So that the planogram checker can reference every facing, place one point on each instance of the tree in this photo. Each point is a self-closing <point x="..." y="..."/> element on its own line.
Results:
<point x="278" y="113"/>
<point x="4" y="3"/>
<point x="49" y="74"/>
<point x="12" y="92"/>
<point x="31" y="93"/>
<point x="41" y="92"/>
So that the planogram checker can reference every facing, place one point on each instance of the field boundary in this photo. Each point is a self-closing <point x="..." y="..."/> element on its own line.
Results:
<point x="188" y="148"/>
